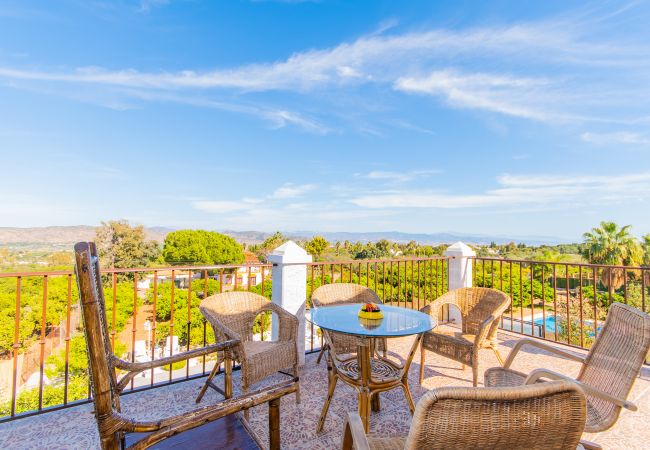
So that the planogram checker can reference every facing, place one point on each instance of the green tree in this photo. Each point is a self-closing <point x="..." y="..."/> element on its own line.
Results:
<point x="316" y="246"/>
<point x="124" y="246"/>
<point x="645" y="248"/>
<point x="201" y="247"/>
<point x="611" y="245"/>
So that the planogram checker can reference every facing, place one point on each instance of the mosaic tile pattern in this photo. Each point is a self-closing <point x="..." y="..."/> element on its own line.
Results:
<point x="75" y="428"/>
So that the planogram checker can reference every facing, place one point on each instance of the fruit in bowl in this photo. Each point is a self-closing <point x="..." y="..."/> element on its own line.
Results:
<point x="371" y="311"/>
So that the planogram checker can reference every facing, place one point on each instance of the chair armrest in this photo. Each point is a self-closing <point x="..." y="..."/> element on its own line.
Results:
<point x="165" y="428"/>
<point x="483" y="331"/>
<point x="288" y="322"/>
<point x="135" y="368"/>
<point x="433" y="308"/>
<point x="537" y="374"/>
<point x="539" y="344"/>
<point x="588" y="445"/>
<point x="218" y="325"/>
<point x="354" y="436"/>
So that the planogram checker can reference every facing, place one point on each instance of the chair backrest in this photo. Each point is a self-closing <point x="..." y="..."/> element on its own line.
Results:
<point x="341" y="293"/>
<point x="91" y="298"/>
<point x="541" y="416"/>
<point x="614" y="360"/>
<point x="477" y="304"/>
<point x="235" y="310"/>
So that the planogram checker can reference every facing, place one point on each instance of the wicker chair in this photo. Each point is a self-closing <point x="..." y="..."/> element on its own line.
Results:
<point x="543" y="416"/>
<point x="112" y="424"/>
<point x="608" y="371"/>
<point x="232" y="316"/>
<point x="338" y="294"/>
<point x="480" y="309"/>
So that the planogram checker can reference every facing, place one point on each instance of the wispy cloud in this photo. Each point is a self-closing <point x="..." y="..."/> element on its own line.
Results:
<point x="292" y="190"/>
<point x="621" y="137"/>
<point x="513" y="96"/>
<point x="399" y="176"/>
<point x="278" y="118"/>
<point x="543" y="71"/>
<point x="147" y="5"/>
<point x="222" y="206"/>
<point x="522" y="190"/>
<point x="285" y="192"/>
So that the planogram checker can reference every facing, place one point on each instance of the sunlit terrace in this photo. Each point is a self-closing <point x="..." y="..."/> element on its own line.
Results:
<point x="76" y="428"/>
<point x="46" y="409"/>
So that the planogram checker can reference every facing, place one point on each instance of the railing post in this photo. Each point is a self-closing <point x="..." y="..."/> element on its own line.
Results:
<point x="460" y="271"/>
<point x="290" y="287"/>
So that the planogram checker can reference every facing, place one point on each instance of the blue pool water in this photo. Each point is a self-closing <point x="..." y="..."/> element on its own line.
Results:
<point x="541" y="327"/>
<point x="550" y="323"/>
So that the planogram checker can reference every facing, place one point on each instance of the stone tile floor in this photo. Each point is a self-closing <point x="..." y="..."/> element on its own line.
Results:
<point x="75" y="428"/>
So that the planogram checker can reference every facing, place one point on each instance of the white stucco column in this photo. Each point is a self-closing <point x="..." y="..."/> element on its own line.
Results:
<point x="460" y="267"/>
<point x="290" y="286"/>
<point x="460" y="271"/>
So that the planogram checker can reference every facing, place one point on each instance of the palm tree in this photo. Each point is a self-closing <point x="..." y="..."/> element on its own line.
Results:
<point x="645" y="248"/>
<point x="611" y="245"/>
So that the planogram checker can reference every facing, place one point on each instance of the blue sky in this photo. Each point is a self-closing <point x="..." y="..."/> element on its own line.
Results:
<point x="511" y="118"/>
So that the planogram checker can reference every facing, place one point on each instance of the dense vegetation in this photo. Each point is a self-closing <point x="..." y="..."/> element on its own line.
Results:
<point x="201" y="247"/>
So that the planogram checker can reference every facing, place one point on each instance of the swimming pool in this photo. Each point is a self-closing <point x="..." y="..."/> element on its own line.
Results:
<point x="541" y="326"/>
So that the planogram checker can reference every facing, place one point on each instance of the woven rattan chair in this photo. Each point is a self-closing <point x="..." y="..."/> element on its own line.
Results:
<point x="112" y="424"/>
<point x="608" y="371"/>
<point x="339" y="294"/>
<point x="543" y="416"/>
<point x="480" y="309"/>
<point x="232" y="316"/>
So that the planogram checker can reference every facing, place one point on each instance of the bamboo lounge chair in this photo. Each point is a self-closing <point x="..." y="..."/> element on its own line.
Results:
<point x="113" y="425"/>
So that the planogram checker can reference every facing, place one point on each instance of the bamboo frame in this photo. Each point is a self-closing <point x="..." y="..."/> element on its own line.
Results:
<point x="111" y="423"/>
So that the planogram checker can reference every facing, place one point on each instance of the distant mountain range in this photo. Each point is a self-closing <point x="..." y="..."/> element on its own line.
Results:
<point x="58" y="235"/>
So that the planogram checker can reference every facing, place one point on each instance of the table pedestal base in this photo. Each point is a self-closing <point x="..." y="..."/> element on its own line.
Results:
<point x="369" y="376"/>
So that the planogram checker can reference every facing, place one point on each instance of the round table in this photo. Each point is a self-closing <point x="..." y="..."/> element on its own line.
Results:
<point x="368" y="373"/>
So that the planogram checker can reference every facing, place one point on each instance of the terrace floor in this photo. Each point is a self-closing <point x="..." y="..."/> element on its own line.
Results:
<point x="75" y="428"/>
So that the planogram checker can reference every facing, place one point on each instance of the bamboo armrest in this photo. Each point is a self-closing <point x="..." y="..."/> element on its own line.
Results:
<point x="140" y="366"/>
<point x="183" y="422"/>
<point x="433" y="307"/>
<point x="537" y="374"/>
<point x="354" y="436"/>
<point x="588" y="445"/>
<point x="544" y="346"/>
<point x="483" y="331"/>
<point x="135" y="368"/>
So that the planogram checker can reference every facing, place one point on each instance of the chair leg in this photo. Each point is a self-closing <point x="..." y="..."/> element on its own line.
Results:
<point x="205" y="386"/>
<point x="407" y="394"/>
<point x="322" y="353"/>
<point x="475" y="374"/>
<point x="244" y="391"/>
<point x="330" y="393"/>
<point x="227" y="368"/>
<point x="496" y="352"/>
<point x="274" y="424"/>
<point x="297" y="375"/>
<point x="421" y="364"/>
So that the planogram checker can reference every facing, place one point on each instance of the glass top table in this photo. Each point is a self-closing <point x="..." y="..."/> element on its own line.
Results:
<point x="367" y="373"/>
<point x="397" y="321"/>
